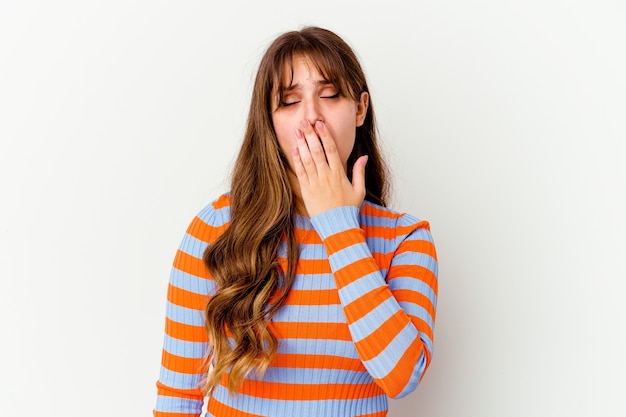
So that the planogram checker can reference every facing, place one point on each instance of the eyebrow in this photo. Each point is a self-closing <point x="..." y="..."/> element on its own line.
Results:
<point x="298" y="86"/>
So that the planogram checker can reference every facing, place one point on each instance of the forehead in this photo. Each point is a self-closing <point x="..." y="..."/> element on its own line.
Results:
<point x="301" y="67"/>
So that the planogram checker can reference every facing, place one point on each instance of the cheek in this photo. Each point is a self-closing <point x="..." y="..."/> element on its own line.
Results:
<point x="285" y="136"/>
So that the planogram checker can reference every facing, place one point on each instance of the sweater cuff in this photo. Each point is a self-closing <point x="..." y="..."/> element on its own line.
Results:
<point x="336" y="220"/>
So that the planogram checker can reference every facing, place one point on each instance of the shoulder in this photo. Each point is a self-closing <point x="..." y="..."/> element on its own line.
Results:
<point x="216" y="212"/>
<point x="212" y="220"/>
<point x="395" y="232"/>
<point x="373" y="215"/>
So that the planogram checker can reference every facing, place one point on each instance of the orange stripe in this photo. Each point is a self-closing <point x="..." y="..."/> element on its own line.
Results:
<point x="422" y="327"/>
<point x="203" y="231"/>
<point x="295" y="360"/>
<point x="384" y="232"/>
<point x="414" y="271"/>
<point x="307" y="237"/>
<point x="375" y="211"/>
<point x="185" y="298"/>
<point x="377" y="341"/>
<point x="313" y="297"/>
<point x="419" y="246"/>
<point x="343" y="240"/>
<point x="313" y="266"/>
<point x="306" y="392"/>
<point x="191" y="265"/>
<point x="416" y="298"/>
<point x="191" y="394"/>
<point x="422" y="225"/>
<point x="357" y="269"/>
<point x="221" y="202"/>
<point x="322" y="331"/>
<point x="367" y="302"/>
<point x="383" y="260"/>
<point x="185" y="332"/>
<point x="182" y="364"/>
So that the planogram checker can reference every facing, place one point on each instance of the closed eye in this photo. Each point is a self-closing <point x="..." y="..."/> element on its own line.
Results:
<point x="333" y="96"/>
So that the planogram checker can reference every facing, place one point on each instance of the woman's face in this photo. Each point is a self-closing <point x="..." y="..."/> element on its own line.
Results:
<point x="311" y="97"/>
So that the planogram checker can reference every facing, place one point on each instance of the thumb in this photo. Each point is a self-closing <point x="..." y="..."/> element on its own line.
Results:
<point x="358" y="175"/>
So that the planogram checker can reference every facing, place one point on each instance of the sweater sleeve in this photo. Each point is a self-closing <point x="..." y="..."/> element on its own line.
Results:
<point x="390" y="316"/>
<point x="179" y="392"/>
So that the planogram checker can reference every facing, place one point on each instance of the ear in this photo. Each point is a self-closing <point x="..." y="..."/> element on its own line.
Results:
<point x="361" y="108"/>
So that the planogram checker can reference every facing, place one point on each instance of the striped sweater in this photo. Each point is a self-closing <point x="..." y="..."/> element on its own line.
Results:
<point x="357" y="326"/>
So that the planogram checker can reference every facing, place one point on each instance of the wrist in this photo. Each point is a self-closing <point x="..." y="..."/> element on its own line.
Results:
<point x="336" y="220"/>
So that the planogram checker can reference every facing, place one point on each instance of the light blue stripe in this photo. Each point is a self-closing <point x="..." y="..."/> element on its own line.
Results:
<point x="314" y="282"/>
<point x="302" y="222"/>
<point x="383" y="364"/>
<point x="413" y="284"/>
<point x="377" y="221"/>
<point x="417" y="311"/>
<point x="193" y="246"/>
<point x="414" y="258"/>
<point x="271" y="407"/>
<point x="428" y="343"/>
<point x="305" y="314"/>
<point x="313" y="251"/>
<point x="340" y="348"/>
<point x="363" y="285"/>
<point x="313" y="376"/>
<point x="346" y="256"/>
<point x="179" y="380"/>
<point x="419" y="233"/>
<point x="167" y="404"/>
<point x="193" y="350"/>
<point x="367" y="324"/>
<point x="192" y="283"/>
<point x="336" y="220"/>
<point x="184" y="315"/>
<point x="379" y="244"/>
<point x="213" y="217"/>
<point x="408" y="220"/>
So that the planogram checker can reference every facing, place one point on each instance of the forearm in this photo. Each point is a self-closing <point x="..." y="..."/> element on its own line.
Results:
<point x="390" y="323"/>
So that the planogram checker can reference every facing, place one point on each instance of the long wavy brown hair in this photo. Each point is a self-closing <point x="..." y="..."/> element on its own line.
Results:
<point x="252" y="286"/>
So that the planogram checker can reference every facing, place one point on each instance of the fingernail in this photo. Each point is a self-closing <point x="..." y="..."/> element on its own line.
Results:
<point x="319" y="125"/>
<point x="298" y="134"/>
<point x="304" y="123"/>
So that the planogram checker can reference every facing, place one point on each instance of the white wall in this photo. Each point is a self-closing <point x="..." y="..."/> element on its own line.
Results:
<point x="505" y="125"/>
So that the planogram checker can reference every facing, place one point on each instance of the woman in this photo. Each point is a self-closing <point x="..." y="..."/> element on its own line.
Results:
<point x="298" y="293"/>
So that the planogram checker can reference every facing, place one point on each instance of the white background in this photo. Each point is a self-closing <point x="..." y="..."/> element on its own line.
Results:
<point x="505" y="125"/>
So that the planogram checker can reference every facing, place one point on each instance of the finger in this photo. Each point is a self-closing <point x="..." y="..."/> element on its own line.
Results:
<point x="330" y="147"/>
<point x="358" y="175"/>
<point x="315" y="146"/>
<point x="298" y="166"/>
<point x="305" y="154"/>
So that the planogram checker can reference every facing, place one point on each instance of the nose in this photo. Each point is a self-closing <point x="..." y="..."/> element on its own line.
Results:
<point x="312" y="111"/>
